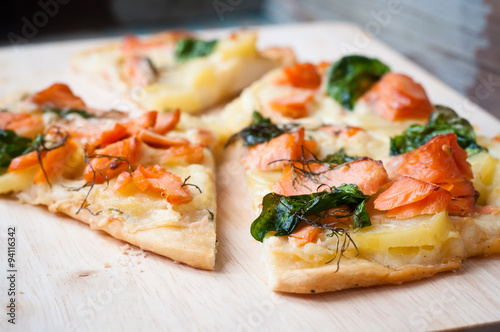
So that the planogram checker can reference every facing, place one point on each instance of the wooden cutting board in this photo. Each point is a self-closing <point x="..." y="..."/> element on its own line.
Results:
<point x="64" y="284"/>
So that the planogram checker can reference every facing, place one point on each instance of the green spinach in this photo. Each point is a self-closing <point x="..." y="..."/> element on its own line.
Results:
<point x="282" y="214"/>
<point x="350" y="77"/>
<point x="442" y="121"/>
<point x="261" y="130"/>
<point x="338" y="157"/>
<point x="12" y="146"/>
<point x="187" y="49"/>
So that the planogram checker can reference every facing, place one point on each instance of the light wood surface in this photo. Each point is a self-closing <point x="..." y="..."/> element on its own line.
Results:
<point x="61" y="262"/>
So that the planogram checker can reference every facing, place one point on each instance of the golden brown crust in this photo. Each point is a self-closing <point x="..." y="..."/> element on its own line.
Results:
<point x="193" y="245"/>
<point x="355" y="273"/>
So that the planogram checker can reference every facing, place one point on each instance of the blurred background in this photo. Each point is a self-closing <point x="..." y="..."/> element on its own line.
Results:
<point x="456" y="40"/>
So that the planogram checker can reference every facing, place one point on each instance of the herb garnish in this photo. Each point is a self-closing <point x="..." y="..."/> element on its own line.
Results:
<point x="442" y="121"/>
<point x="350" y="77"/>
<point x="114" y="160"/>
<point x="185" y="184"/>
<point x="52" y="139"/>
<point x="282" y="214"/>
<point x="339" y="157"/>
<point x="261" y="130"/>
<point x="187" y="49"/>
<point x="12" y="146"/>
<point x="65" y="112"/>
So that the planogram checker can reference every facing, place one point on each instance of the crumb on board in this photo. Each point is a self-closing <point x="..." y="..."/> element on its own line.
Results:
<point x="21" y="292"/>
<point x="124" y="248"/>
<point x="106" y="265"/>
<point x="133" y="254"/>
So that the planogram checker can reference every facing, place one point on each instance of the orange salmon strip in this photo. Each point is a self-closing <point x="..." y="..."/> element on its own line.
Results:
<point x="398" y="97"/>
<point x="156" y="179"/>
<point x="58" y="95"/>
<point x="368" y="174"/>
<point x="286" y="146"/>
<point x="303" y="75"/>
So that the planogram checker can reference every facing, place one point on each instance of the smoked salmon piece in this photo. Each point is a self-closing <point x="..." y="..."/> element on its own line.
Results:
<point x="277" y="152"/>
<point x="144" y="121"/>
<point x="464" y="198"/>
<point x="304" y="234"/>
<point x="368" y="174"/>
<point x="404" y="191"/>
<point x="294" y="105"/>
<point x="113" y="135"/>
<point x="408" y="197"/>
<point x="59" y="96"/>
<point x="156" y="179"/>
<point x="55" y="161"/>
<point x="184" y="154"/>
<point x="302" y="75"/>
<point x="166" y="122"/>
<point x="112" y="160"/>
<point x="435" y="202"/>
<point x="22" y="124"/>
<point x="397" y="97"/>
<point x="22" y="162"/>
<point x="441" y="161"/>
<point x="159" y="141"/>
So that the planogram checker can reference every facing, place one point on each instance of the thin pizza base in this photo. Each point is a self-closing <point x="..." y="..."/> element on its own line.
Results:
<point x="352" y="273"/>
<point x="185" y="232"/>
<point x="294" y="269"/>
<point x="192" y="86"/>
<point x="187" y="235"/>
<point x="193" y="245"/>
<point x="298" y="269"/>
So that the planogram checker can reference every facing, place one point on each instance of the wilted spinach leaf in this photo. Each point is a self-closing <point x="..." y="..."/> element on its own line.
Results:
<point x="261" y="130"/>
<point x="12" y="146"/>
<point x="442" y="121"/>
<point x="282" y="214"/>
<point x="65" y="112"/>
<point x="338" y="157"/>
<point x="187" y="49"/>
<point x="350" y="77"/>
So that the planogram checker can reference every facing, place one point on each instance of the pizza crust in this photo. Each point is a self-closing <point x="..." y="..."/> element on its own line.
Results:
<point x="192" y="243"/>
<point x="191" y="86"/>
<point x="351" y="273"/>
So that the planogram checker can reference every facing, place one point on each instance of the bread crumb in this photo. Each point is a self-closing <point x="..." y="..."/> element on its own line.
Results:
<point x="133" y="254"/>
<point x="124" y="249"/>
<point x="21" y="292"/>
<point x="106" y="265"/>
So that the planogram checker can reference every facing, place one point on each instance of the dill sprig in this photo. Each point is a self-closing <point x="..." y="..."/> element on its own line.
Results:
<point x="302" y="167"/>
<point x="185" y="183"/>
<point x="52" y="139"/>
<point x="113" y="164"/>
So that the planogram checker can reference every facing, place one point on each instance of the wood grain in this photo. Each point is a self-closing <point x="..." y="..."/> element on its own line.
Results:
<point x="61" y="262"/>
